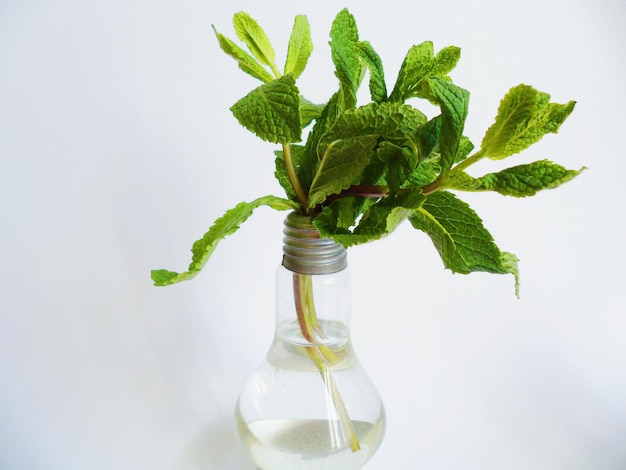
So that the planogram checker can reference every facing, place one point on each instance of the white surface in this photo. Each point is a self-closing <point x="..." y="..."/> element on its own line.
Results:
<point x="117" y="150"/>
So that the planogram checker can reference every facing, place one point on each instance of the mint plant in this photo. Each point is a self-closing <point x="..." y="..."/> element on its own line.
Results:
<point x="358" y="171"/>
<point x="364" y="169"/>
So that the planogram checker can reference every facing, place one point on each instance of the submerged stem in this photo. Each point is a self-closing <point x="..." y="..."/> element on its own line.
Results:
<point x="307" y="317"/>
<point x="322" y="356"/>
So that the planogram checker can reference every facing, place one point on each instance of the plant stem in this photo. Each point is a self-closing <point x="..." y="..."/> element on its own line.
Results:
<point x="467" y="162"/>
<point x="359" y="191"/>
<point x="310" y="316"/>
<point x="322" y="356"/>
<point x="440" y="182"/>
<point x="301" y="194"/>
<point x="275" y="70"/>
<point x="293" y="177"/>
<point x="366" y="191"/>
<point x="431" y="187"/>
<point x="333" y="392"/>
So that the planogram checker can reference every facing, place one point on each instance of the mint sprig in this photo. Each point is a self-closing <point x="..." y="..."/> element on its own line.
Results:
<point x="361" y="170"/>
<point x="226" y="225"/>
<point x="519" y="181"/>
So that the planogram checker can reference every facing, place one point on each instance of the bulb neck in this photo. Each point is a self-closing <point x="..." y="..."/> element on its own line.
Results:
<point x="305" y="251"/>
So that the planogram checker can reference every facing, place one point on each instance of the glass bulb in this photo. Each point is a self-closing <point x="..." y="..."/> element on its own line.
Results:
<point x="310" y="405"/>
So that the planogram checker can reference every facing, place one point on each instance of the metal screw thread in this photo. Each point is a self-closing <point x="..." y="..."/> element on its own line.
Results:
<point x="306" y="252"/>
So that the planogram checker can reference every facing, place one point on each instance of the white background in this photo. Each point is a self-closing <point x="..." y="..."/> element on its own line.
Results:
<point x="117" y="151"/>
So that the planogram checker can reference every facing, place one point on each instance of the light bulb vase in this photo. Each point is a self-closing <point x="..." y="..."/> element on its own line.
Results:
<point x="310" y="405"/>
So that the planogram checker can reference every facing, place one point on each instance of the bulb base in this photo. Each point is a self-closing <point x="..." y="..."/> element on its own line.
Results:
<point x="306" y="252"/>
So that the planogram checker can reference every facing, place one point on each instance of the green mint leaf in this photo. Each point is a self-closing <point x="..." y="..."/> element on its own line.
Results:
<point x="348" y="67"/>
<point x="331" y="220"/>
<point x="280" y="172"/>
<point x="246" y="62"/>
<point x="309" y="112"/>
<point x="424" y="174"/>
<point x="445" y="61"/>
<point x="518" y="181"/>
<point x="163" y="277"/>
<point x="421" y="63"/>
<point x="415" y="67"/>
<point x="393" y="126"/>
<point x="378" y="89"/>
<point x="272" y="111"/>
<point x="340" y="215"/>
<point x="399" y="163"/>
<point x="226" y="225"/>
<point x="324" y="122"/>
<point x="508" y="262"/>
<point x="300" y="47"/>
<point x="383" y="217"/>
<point x="524" y="116"/>
<point x="465" y="149"/>
<point x="459" y="236"/>
<point x="453" y="102"/>
<point x="374" y="173"/>
<point x="393" y="121"/>
<point x="427" y="138"/>
<point x="341" y="165"/>
<point x="378" y="221"/>
<point x="438" y="68"/>
<point x="249" y="31"/>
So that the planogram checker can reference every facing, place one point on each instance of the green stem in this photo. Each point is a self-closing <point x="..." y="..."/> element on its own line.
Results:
<point x="306" y="287"/>
<point x="301" y="194"/>
<point x="293" y="177"/>
<point x="275" y="70"/>
<point x="440" y="182"/>
<point x="307" y="317"/>
<point x="333" y="391"/>
<point x="467" y="162"/>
